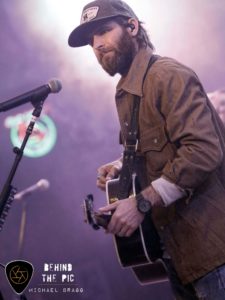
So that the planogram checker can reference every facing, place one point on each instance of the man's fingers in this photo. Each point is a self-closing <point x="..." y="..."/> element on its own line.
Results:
<point x="108" y="208"/>
<point x="101" y="172"/>
<point x="112" y="173"/>
<point x="101" y="186"/>
<point x="107" y="172"/>
<point x="103" y="175"/>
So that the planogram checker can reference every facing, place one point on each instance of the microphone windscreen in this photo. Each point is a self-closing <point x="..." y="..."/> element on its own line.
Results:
<point x="43" y="184"/>
<point x="55" y="85"/>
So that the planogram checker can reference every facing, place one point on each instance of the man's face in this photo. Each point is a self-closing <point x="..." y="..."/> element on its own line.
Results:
<point x="113" y="47"/>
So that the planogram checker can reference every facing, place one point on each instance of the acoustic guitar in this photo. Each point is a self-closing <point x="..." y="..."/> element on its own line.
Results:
<point x="142" y="250"/>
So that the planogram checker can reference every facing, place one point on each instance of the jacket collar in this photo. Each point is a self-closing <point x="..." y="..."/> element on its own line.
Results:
<point x="133" y="81"/>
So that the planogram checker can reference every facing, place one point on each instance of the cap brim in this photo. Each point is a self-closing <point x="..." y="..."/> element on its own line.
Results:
<point x="79" y="36"/>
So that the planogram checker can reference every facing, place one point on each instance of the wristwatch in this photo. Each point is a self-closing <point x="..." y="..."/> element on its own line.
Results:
<point x="143" y="205"/>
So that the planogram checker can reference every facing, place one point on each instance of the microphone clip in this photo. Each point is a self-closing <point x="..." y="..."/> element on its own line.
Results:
<point x="38" y="107"/>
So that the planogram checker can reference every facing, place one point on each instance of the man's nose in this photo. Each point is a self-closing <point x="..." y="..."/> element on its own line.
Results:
<point x="98" y="42"/>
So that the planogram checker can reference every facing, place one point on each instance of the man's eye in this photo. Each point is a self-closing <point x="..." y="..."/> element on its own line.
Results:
<point x="103" y="30"/>
<point x="99" y="31"/>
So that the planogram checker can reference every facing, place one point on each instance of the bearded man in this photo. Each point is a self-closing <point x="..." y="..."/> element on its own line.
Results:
<point x="181" y="143"/>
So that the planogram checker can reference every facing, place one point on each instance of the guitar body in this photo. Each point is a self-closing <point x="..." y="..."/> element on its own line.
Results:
<point x="141" y="250"/>
<point x="150" y="273"/>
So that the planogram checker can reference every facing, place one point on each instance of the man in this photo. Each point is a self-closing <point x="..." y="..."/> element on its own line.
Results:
<point x="181" y="140"/>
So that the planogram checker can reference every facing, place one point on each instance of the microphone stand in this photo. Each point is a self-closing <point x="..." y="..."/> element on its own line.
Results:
<point x="19" y="154"/>
<point x="22" y="227"/>
<point x="8" y="191"/>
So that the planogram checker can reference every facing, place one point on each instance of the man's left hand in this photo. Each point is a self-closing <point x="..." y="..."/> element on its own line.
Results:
<point x="125" y="218"/>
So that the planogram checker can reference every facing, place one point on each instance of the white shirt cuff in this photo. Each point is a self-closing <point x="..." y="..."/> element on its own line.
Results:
<point x="168" y="191"/>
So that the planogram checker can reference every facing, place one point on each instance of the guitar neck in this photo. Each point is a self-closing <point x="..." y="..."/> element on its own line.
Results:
<point x="102" y="220"/>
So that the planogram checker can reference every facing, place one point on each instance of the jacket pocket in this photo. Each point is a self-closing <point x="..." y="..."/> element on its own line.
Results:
<point x="157" y="149"/>
<point x="153" y="139"/>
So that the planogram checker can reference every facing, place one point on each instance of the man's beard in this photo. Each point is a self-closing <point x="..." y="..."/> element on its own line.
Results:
<point x="119" y="59"/>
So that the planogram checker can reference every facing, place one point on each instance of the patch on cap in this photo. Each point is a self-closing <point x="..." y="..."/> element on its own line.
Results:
<point x="89" y="14"/>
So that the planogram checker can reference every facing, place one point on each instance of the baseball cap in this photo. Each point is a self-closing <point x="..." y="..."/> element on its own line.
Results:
<point x="95" y="12"/>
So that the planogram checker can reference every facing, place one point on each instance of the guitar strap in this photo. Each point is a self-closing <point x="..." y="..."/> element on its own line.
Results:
<point x="130" y="147"/>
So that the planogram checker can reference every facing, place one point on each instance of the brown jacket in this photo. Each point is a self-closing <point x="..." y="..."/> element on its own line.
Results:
<point x="182" y="139"/>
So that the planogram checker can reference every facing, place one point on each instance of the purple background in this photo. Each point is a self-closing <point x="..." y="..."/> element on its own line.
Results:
<point x="87" y="126"/>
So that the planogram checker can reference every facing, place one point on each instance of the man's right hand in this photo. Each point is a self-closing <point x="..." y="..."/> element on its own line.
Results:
<point x="108" y="172"/>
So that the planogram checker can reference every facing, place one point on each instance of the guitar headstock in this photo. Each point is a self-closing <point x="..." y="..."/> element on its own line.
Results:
<point x="96" y="220"/>
<point x="89" y="212"/>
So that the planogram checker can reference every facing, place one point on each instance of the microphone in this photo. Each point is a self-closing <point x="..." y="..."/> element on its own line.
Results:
<point x="38" y="94"/>
<point x="42" y="184"/>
